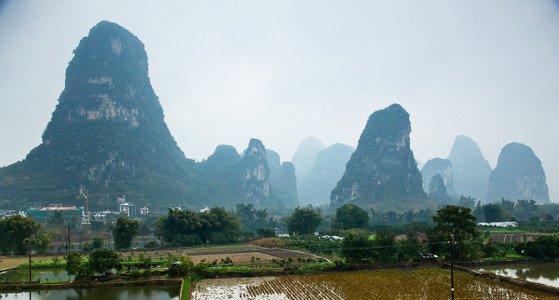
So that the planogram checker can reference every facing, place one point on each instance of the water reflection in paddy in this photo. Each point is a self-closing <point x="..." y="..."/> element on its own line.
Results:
<point x="104" y="293"/>
<point x="19" y="275"/>
<point x="544" y="273"/>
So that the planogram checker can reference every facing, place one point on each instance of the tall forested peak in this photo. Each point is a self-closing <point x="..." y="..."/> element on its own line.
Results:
<point x="465" y="149"/>
<point x="389" y="126"/>
<point x="470" y="169"/>
<point x="286" y="188"/>
<point x="274" y="165"/>
<point x="518" y="175"/>
<point x="437" y="189"/>
<point x="223" y="155"/>
<point x="328" y="168"/>
<point x="382" y="172"/>
<point x="255" y="151"/>
<point x="256" y="175"/>
<point x="304" y="157"/>
<point x="107" y="133"/>
<point x="109" y="53"/>
<point x="442" y="167"/>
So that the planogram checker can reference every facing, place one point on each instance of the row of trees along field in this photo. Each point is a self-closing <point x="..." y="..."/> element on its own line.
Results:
<point x="450" y="222"/>
<point x="218" y="226"/>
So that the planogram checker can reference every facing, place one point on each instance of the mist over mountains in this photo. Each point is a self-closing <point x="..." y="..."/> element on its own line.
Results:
<point x="108" y="135"/>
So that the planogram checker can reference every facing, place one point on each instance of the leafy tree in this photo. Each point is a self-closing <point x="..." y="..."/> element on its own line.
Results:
<point x="303" y="221"/>
<point x="102" y="261"/>
<point x="97" y="226"/>
<point x="41" y="241"/>
<point x="73" y="263"/>
<point x="458" y="222"/>
<point x="385" y="246"/>
<point x="493" y="212"/>
<point x="525" y="209"/>
<point x="250" y="217"/>
<point x="507" y="205"/>
<point x="14" y="230"/>
<point x="467" y="201"/>
<point x="177" y="223"/>
<point x="218" y="220"/>
<point x="409" y="248"/>
<point x="478" y="212"/>
<point x="186" y="227"/>
<point x="350" y="216"/>
<point x="96" y="243"/>
<point x="266" y="232"/>
<point x="180" y="266"/>
<point x="57" y="219"/>
<point x="124" y="231"/>
<point x="544" y="247"/>
<point x="357" y="247"/>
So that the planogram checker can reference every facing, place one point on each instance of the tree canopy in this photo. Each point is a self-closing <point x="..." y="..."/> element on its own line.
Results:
<point x="303" y="221"/>
<point x="459" y="223"/>
<point x="186" y="227"/>
<point x="124" y="231"/>
<point x="14" y="231"/>
<point x="350" y="216"/>
<point x="103" y="260"/>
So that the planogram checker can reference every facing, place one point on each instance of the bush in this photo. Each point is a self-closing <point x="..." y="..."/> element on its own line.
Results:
<point x="183" y="240"/>
<point x="102" y="261"/>
<point x="135" y="274"/>
<point x="266" y="232"/>
<point x="180" y="267"/>
<point x="150" y="245"/>
<point x="202" y="270"/>
<point x="544" y="247"/>
<point x="357" y="248"/>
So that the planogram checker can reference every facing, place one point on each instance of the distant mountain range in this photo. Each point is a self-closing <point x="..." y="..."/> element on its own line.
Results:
<point x="108" y="136"/>
<point x="518" y="175"/>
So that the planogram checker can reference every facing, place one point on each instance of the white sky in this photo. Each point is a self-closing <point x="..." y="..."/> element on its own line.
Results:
<point x="279" y="71"/>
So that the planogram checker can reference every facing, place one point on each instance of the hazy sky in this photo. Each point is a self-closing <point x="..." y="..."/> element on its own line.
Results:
<point x="279" y="71"/>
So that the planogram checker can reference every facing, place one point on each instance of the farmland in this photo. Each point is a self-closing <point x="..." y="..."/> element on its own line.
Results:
<point x="383" y="284"/>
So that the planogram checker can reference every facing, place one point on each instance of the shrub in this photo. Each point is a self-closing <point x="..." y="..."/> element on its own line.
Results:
<point x="202" y="270"/>
<point x="180" y="267"/>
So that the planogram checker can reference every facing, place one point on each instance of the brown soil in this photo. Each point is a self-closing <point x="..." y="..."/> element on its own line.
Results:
<point x="8" y="262"/>
<point x="238" y="258"/>
<point x="238" y="253"/>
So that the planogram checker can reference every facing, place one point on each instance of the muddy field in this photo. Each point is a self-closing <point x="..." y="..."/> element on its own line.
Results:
<point x="384" y="284"/>
<point x="240" y="254"/>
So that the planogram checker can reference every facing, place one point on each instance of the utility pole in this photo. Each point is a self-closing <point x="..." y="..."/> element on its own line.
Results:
<point x="452" y="265"/>
<point x="69" y="240"/>
<point x="29" y="250"/>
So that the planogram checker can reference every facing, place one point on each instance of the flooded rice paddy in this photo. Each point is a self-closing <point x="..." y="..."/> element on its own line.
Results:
<point x="544" y="273"/>
<point x="103" y="293"/>
<point x="382" y="284"/>
<point x="44" y="275"/>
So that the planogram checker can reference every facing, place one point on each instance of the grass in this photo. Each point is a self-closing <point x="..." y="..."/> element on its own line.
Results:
<point x="507" y="231"/>
<point x="225" y="269"/>
<point x="185" y="287"/>
<point x="508" y="256"/>
<point x="43" y="264"/>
